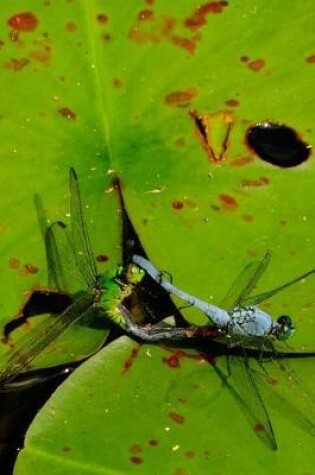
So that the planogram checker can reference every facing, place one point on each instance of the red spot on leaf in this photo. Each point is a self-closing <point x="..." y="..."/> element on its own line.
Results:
<point x="199" y="18"/>
<point x="136" y="460"/>
<point x="146" y="14"/>
<point x="150" y="2"/>
<point x="176" y="417"/>
<point x="67" y="113"/>
<point x="24" y="22"/>
<point x="181" y="98"/>
<point x="177" y="205"/>
<point x="102" y="18"/>
<point x="228" y="202"/>
<point x="256" y="65"/>
<point x="310" y="59"/>
<point x="186" y="43"/>
<point x="258" y="427"/>
<point x="130" y="360"/>
<point x="232" y="103"/>
<point x="172" y="361"/>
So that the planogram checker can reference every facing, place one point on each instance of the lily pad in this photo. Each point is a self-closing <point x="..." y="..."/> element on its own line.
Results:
<point x="147" y="409"/>
<point x="91" y="86"/>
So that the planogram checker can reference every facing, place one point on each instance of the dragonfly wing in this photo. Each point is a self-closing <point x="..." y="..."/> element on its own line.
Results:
<point x="244" y="387"/>
<point x="286" y="390"/>
<point x="245" y="282"/>
<point x="79" y="233"/>
<point x="62" y="265"/>
<point x="257" y="299"/>
<point x="44" y="334"/>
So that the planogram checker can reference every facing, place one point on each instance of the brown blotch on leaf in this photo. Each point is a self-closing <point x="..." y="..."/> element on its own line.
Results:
<point x="261" y="181"/>
<point x="146" y="14"/>
<point x="181" y="98"/>
<point x="66" y="448"/>
<point x="135" y="449"/>
<point x="117" y="83"/>
<point x="242" y="161"/>
<point x="232" y="103"/>
<point x="14" y="263"/>
<point x="67" y="113"/>
<point x="30" y="269"/>
<point x="130" y="360"/>
<point x="102" y="18"/>
<point x="16" y="64"/>
<point x="177" y="205"/>
<point x="153" y="442"/>
<point x="228" y="202"/>
<point x="188" y="44"/>
<point x="71" y="27"/>
<point x="102" y="258"/>
<point x="176" y="417"/>
<point x="41" y="56"/>
<point x="136" y="460"/>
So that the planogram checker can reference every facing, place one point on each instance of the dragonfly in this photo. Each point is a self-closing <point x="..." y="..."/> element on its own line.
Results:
<point x="242" y="322"/>
<point x="72" y="268"/>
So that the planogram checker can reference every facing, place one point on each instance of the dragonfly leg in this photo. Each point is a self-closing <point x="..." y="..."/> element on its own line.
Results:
<point x="161" y="276"/>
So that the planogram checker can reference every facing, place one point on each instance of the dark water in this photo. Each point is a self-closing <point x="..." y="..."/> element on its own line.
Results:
<point x="19" y="403"/>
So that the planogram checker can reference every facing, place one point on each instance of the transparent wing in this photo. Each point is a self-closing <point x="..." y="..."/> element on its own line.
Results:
<point x="243" y="385"/>
<point x="63" y="272"/>
<point x="32" y="345"/>
<point x="53" y="278"/>
<point x="242" y="287"/>
<point x="286" y="389"/>
<point x="256" y="299"/>
<point x="79" y="233"/>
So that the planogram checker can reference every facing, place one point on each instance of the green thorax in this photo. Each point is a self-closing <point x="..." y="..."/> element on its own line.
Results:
<point x="115" y="288"/>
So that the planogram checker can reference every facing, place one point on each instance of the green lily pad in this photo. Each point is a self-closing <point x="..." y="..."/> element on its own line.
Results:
<point x="102" y="88"/>
<point x="147" y="409"/>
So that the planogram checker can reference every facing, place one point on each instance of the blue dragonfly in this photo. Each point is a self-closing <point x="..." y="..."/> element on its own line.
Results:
<point x="244" y="324"/>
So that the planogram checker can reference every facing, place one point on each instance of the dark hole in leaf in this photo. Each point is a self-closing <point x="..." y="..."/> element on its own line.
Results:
<point x="277" y="144"/>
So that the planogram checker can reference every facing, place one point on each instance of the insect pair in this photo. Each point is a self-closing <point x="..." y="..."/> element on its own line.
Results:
<point x="72" y="269"/>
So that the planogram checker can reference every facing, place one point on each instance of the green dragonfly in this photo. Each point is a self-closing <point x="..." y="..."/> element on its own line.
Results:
<point x="72" y="266"/>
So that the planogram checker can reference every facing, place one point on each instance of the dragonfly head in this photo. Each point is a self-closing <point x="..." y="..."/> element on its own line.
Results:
<point x="285" y="328"/>
<point x="134" y="274"/>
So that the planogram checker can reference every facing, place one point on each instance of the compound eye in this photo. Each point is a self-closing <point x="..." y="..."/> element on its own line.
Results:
<point x="285" y="321"/>
<point x="286" y="329"/>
